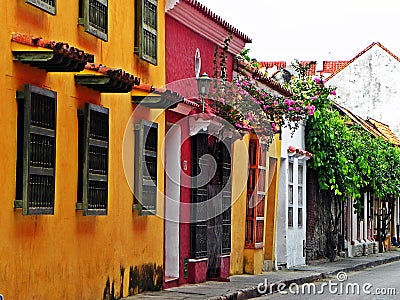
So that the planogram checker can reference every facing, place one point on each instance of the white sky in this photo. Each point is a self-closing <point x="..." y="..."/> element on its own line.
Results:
<point x="310" y="29"/>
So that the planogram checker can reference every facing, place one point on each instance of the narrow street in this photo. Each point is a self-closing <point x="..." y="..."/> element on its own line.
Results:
<point x="379" y="283"/>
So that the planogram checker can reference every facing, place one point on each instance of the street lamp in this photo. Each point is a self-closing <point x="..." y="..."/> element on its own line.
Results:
<point x="203" y="86"/>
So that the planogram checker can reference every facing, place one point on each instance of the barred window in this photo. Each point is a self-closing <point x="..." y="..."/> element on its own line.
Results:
<point x="93" y="160"/>
<point x="93" y="15"/>
<point x="146" y="145"/>
<point x="36" y="150"/>
<point x="46" y="5"/>
<point x="146" y="30"/>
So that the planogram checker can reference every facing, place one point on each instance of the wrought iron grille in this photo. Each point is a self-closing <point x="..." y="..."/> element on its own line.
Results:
<point x="93" y="159"/>
<point x="36" y="150"/>
<point x="98" y="15"/>
<point x="46" y="5"/>
<point x="146" y="33"/>
<point x="146" y="144"/>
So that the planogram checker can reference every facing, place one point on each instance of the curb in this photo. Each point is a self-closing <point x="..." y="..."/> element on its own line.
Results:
<point x="272" y="287"/>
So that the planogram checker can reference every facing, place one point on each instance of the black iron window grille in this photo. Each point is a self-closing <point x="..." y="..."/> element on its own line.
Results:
<point x="46" y="5"/>
<point x="36" y="150"/>
<point x="93" y="160"/>
<point x="146" y="154"/>
<point x="146" y="30"/>
<point x="94" y="17"/>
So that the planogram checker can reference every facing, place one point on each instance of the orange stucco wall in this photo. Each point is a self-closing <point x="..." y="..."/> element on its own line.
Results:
<point x="67" y="255"/>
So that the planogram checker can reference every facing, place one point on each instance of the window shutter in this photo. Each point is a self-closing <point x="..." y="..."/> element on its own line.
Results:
<point x="36" y="184"/>
<point x="95" y="160"/>
<point x="95" y="18"/>
<point x="256" y="194"/>
<point x="198" y="229"/>
<point x="46" y="5"/>
<point x="225" y="166"/>
<point x="146" y="145"/>
<point x="147" y="22"/>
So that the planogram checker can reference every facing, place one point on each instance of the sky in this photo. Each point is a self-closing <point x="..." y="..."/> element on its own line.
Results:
<point x="310" y="29"/>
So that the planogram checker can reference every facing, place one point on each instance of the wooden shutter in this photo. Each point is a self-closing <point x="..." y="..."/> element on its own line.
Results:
<point x="46" y="5"/>
<point x="225" y="169"/>
<point x="37" y="139"/>
<point x="199" y="195"/>
<point x="146" y="155"/>
<point x="147" y="29"/>
<point x="95" y="18"/>
<point x="95" y="141"/>
<point x="256" y="195"/>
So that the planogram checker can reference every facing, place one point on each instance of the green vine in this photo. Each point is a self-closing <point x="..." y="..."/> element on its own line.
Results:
<point x="348" y="159"/>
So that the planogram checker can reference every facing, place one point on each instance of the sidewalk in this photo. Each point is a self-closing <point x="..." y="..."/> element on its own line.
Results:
<point x="245" y="286"/>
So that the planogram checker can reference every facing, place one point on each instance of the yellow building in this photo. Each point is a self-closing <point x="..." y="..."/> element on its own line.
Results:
<point x="254" y="210"/>
<point x="70" y="228"/>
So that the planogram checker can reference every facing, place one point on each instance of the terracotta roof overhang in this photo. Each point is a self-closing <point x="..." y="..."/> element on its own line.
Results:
<point x="299" y="153"/>
<point x="159" y="98"/>
<point x="108" y="80"/>
<point x="374" y="127"/>
<point x="58" y="56"/>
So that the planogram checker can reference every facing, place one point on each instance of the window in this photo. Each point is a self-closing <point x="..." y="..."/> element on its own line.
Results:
<point x="290" y="194"/>
<point x="146" y="145"/>
<point x="224" y="170"/>
<point x="46" y="5"/>
<point x="300" y="195"/>
<point x="93" y="15"/>
<point x="256" y="192"/>
<point x="93" y="160"/>
<point x="146" y="30"/>
<point x="36" y="151"/>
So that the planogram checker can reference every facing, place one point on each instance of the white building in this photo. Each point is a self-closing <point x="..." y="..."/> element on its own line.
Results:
<point x="291" y="212"/>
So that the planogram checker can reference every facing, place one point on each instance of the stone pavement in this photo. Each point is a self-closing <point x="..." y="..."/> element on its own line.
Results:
<point x="245" y="286"/>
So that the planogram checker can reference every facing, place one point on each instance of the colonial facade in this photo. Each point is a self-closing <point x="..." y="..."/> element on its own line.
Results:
<point x="198" y="230"/>
<point x="291" y="216"/>
<point x="72" y="72"/>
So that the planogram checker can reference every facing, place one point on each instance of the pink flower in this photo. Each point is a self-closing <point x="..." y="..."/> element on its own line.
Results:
<point x="276" y="103"/>
<point x="333" y="92"/>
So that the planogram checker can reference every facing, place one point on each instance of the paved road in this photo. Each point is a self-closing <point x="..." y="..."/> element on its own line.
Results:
<point x="379" y="283"/>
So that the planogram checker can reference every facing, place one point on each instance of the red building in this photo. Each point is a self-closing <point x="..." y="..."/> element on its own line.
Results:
<point x="194" y="251"/>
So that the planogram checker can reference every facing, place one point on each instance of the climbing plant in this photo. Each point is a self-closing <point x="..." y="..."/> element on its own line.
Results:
<point x="348" y="160"/>
<point x="248" y="106"/>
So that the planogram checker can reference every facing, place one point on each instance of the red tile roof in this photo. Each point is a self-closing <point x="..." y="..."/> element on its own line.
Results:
<point x="270" y="64"/>
<point x="299" y="152"/>
<point x="360" y="54"/>
<point x="60" y="48"/>
<point x="217" y="19"/>
<point x="328" y="66"/>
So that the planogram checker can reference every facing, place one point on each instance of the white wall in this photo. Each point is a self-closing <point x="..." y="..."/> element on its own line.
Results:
<point x="370" y="87"/>
<point x="172" y="200"/>
<point x="289" y="240"/>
